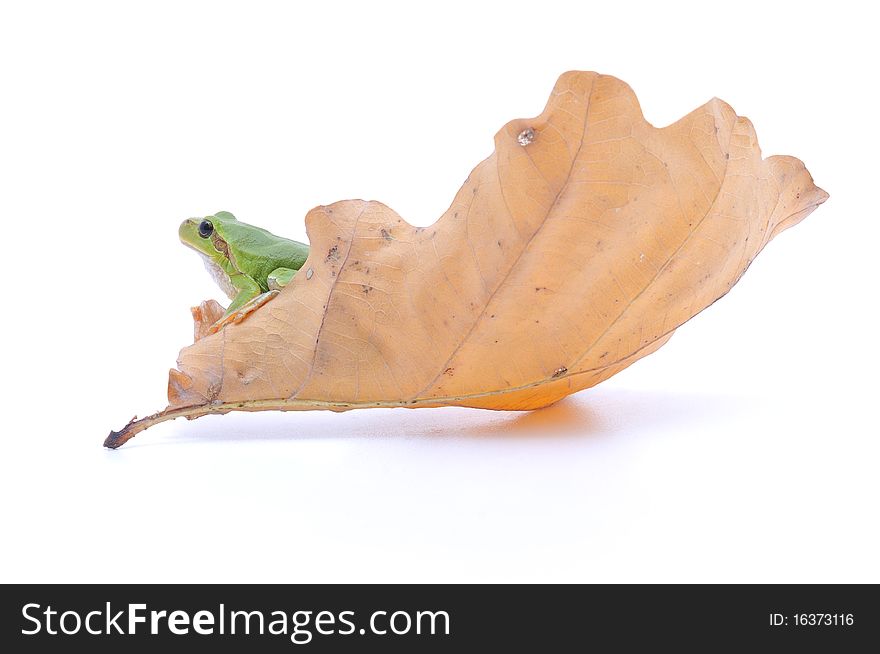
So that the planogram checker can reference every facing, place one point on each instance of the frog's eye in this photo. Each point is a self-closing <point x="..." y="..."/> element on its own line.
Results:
<point x="206" y="228"/>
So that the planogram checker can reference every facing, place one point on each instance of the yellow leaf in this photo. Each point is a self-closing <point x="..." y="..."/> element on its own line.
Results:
<point x="574" y="250"/>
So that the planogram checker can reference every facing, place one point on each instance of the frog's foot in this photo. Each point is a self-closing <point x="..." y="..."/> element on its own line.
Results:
<point x="242" y="312"/>
<point x="279" y="278"/>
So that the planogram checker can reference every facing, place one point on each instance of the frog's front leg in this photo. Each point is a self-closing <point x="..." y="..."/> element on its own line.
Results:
<point x="247" y="289"/>
<point x="249" y="298"/>
<point x="239" y="310"/>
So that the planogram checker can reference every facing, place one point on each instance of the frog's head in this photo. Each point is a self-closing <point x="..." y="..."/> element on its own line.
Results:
<point x="209" y="235"/>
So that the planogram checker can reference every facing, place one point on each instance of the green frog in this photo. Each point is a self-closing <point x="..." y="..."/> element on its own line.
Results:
<point x="250" y="264"/>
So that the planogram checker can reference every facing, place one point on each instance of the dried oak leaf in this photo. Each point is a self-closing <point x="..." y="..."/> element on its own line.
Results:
<point x="577" y="248"/>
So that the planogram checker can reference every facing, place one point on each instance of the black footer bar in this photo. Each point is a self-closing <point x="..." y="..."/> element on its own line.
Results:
<point x="439" y="618"/>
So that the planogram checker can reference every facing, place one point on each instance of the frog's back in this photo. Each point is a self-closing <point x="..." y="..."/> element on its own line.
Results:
<point x="257" y="252"/>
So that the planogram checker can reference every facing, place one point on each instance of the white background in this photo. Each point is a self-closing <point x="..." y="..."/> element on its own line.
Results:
<point x="744" y="450"/>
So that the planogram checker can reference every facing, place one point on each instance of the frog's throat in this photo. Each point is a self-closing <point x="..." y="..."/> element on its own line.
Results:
<point x="220" y="276"/>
